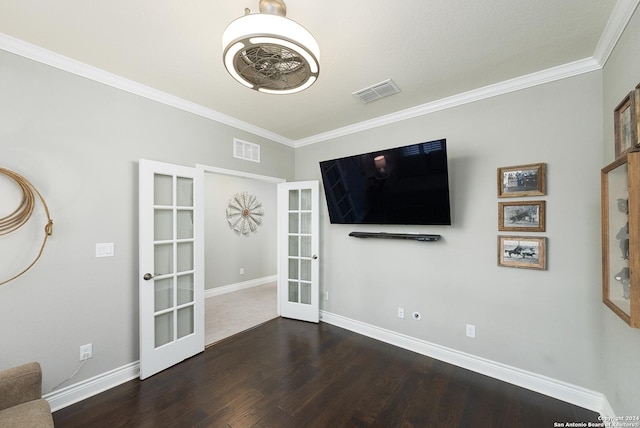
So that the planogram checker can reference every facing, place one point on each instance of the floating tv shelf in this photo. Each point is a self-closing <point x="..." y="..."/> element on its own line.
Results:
<point x="384" y="235"/>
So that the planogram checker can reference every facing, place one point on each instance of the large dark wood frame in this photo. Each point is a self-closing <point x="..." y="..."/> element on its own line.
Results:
<point x="294" y="374"/>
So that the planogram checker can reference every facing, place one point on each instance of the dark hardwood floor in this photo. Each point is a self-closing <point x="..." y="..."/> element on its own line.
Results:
<point x="288" y="373"/>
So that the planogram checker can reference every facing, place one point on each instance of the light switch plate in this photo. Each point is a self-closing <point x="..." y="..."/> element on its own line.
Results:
<point x="104" y="249"/>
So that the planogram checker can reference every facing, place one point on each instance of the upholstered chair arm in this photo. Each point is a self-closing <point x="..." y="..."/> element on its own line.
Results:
<point x="20" y="385"/>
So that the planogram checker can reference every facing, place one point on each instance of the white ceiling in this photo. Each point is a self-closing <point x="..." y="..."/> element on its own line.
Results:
<point x="432" y="49"/>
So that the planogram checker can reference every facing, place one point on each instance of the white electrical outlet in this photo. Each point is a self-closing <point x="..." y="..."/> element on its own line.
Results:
<point x="400" y="312"/>
<point x="326" y="295"/>
<point x="471" y="331"/>
<point x="86" y="351"/>
<point x="241" y="271"/>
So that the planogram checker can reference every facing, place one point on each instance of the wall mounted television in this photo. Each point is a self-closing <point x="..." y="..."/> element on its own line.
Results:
<point x="406" y="185"/>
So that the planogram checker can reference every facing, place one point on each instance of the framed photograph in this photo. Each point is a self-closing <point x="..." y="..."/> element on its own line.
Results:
<point x="525" y="216"/>
<point x="625" y="124"/>
<point x="522" y="252"/>
<point x="521" y="180"/>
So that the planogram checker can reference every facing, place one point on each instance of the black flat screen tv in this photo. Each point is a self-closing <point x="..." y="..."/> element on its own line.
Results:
<point x="404" y="185"/>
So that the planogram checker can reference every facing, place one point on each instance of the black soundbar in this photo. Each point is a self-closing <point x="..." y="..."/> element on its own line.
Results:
<point x="385" y="235"/>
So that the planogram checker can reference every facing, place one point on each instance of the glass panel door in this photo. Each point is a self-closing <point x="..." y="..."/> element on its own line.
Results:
<point x="298" y="229"/>
<point x="171" y="254"/>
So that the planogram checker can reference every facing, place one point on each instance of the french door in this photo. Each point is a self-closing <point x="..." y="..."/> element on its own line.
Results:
<point x="171" y="264"/>
<point x="298" y="241"/>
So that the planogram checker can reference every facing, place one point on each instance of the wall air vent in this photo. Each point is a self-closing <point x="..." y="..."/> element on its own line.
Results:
<point x="377" y="91"/>
<point x="245" y="150"/>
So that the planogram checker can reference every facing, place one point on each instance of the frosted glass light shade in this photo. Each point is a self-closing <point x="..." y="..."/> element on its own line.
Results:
<point x="270" y="53"/>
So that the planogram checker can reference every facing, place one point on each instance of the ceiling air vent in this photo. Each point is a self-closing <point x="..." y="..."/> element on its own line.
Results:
<point x="377" y="91"/>
<point x="246" y="151"/>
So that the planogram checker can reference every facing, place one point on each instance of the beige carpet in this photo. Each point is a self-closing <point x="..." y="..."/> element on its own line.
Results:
<point x="232" y="313"/>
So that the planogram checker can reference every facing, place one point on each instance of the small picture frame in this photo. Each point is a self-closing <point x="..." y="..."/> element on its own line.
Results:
<point x="625" y="124"/>
<point x="521" y="180"/>
<point x="522" y="252"/>
<point x="524" y="216"/>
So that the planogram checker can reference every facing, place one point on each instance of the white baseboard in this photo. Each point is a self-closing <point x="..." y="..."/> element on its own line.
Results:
<point x="239" y="286"/>
<point x="607" y="410"/>
<point x="90" y="387"/>
<point x="87" y="388"/>
<point x="567" y="392"/>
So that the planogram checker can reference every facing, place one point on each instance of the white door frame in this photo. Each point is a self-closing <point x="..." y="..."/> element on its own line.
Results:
<point x="242" y="174"/>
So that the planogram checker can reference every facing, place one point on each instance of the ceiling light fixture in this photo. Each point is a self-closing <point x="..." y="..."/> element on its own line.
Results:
<point x="269" y="53"/>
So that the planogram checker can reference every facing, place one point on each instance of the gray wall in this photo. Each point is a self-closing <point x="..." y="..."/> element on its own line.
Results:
<point x="79" y="142"/>
<point x="621" y="344"/>
<point x="225" y="250"/>
<point x="545" y="322"/>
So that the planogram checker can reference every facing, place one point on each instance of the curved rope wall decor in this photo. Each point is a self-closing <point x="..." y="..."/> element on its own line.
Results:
<point x="22" y="214"/>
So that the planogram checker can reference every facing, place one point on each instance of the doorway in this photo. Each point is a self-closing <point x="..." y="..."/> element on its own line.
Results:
<point x="234" y="312"/>
<point x="240" y="269"/>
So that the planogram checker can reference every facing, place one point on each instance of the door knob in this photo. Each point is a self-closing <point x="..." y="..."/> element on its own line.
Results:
<point x="314" y="257"/>
<point x="148" y="276"/>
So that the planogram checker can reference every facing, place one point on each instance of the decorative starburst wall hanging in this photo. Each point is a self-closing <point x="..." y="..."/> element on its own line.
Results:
<point x="244" y="213"/>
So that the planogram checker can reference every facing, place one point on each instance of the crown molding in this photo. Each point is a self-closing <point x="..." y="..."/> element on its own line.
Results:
<point x="545" y="76"/>
<point x="620" y="16"/>
<point x="61" y="62"/>
<point x="618" y="20"/>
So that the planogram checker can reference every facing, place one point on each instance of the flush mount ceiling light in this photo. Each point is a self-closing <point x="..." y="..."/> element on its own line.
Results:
<point x="269" y="53"/>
